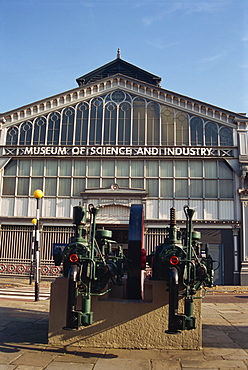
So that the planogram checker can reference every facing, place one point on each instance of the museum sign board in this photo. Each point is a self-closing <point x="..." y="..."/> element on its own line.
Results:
<point x="122" y="151"/>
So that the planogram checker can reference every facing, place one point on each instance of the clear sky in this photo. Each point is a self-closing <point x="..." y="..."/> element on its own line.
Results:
<point x="198" y="47"/>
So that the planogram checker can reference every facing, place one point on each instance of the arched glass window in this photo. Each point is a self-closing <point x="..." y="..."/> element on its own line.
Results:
<point x="153" y="129"/>
<point x="25" y="133"/>
<point x="82" y="124"/>
<point x="39" y="131"/>
<point x="226" y="136"/>
<point x="124" y="126"/>
<point x="12" y="136"/>
<point x="211" y="134"/>
<point x="53" y="128"/>
<point x="196" y="129"/>
<point x="67" y="126"/>
<point x="119" y="96"/>
<point x="139" y="107"/>
<point x="110" y="117"/>
<point x="167" y="128"/>
<point x="96" y="121"/>
<point x="182" y="128"/>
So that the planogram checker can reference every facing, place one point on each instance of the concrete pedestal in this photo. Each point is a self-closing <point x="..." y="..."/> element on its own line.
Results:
<point x="120" y="323"/>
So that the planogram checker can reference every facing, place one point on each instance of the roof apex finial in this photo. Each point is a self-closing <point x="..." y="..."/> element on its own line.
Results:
<point x="118" y="53"/>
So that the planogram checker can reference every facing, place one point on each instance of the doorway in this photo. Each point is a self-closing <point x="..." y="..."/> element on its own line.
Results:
<point x="216" y="252"/>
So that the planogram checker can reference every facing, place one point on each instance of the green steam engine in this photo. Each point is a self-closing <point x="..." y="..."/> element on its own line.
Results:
<point x="92" y="263"/>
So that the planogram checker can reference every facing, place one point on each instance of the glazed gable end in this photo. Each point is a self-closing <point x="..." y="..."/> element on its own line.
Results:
<point x="119" y="82"/>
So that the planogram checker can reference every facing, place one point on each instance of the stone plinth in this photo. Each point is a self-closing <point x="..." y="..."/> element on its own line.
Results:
<point x="120" y="323"/>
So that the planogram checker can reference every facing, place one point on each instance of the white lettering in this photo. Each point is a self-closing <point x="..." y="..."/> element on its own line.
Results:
<point x="178" y="151"/>
<point x="114" y="151"/>
<point x="75" y="150"/>
<point x="139" y="151"/>
<point x="128" y="151"/>
<point x="192" y="151"/>
<point x="185" y="151"/>
<point x="93" y="150"/>
<point x="28" y="151"/>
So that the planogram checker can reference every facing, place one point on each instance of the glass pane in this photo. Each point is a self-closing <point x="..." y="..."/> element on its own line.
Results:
<point x="108" y="168"/>
<point x="196" y="131"/>
<point x="12" y="136"/>
<point x="10" y="169"/>
<point x="79" y="168"/>
<point x="196" y="188"/>
<point x="109" y="136"/>
<point x="24" y="167"/>
<point x="94" y="168"/>
<point x="181" y="168"/>
<point x="93" y="183"/>
<point x="123" y="183"/>
<point x="82" y="124"/>
<point x="152" y="168"/>
<point x="211" y="189"/>
<point x="65" y="167"/>
<point x="181" y="188"/>
<point x="226" y="136"/>
<point x="153" y="124"/>
<point x="64" y="187"/>
<point x="78" y="186"/>
<point x="166" y="168"/>
<point x="67" y="126"/>
<point x="39" y="131"/>
<point x="182" y="129"/>
<point x="225" y="171"/>
<point x="210" y="169"/>
<point x="106" y="183"/>
<point x="53" y="128"/>
<point x="139" y="122"/>
<point x="166" y="188"/>
<point x="211" y="133"/>
<point x="167" y="129"/>
<point x="96" y="122"/>
<point x="52" y="167"/>
<point x="124" y="127"/>
<point x="9" y="186"/>
<point x="195" y="169"/>
<point x="25" y="133"/>
<point x="50" y="187"/>
<point x="36" y="183"/>
<point x="23" y="186"/>
<point x="226" y="189"/>
<point x="137" y="169"/>
<point x="137" y="183"/>
<point x="122" y="168"/>
<point x="37" y="167"/>
<point x="152" y="187"/>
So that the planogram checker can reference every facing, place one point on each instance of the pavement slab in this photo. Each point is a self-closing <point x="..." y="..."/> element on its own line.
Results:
<point x="68" y="366"/>
<point x="123" y="364"/>
<point x="213" y="364"/>
<point x="32" y="359"/>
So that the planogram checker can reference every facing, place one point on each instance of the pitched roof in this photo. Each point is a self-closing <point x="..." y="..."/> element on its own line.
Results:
<point x="119" y="66"/>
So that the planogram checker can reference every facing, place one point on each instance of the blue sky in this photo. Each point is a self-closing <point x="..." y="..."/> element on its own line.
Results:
<point x="199" y="48"/>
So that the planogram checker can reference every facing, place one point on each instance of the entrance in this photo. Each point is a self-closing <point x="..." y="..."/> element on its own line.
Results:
<point x="216" y="252"/>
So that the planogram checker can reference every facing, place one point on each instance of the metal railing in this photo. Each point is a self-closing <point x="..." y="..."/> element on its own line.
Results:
<point x="16" y="241"/>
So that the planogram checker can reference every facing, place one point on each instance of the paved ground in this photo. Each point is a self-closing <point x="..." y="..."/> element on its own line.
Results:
<point x="23" y="339"/>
